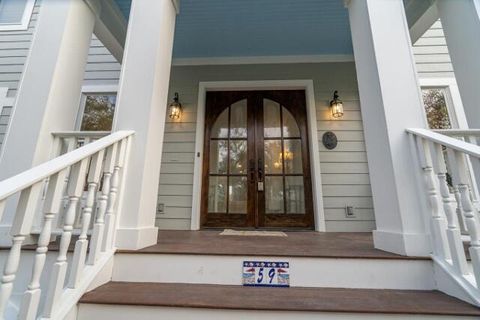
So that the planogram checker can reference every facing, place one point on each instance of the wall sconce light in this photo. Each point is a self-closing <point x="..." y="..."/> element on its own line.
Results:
<point x="175" y="108"/>
<point x="337" y="106"/>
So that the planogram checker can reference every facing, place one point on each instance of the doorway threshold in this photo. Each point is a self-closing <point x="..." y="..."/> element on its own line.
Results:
<point x="254" y="233"/>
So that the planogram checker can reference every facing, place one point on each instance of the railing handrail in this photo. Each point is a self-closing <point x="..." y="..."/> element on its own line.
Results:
<point x="28" y="178"/>
<point x="452" y="143"/>
<point x="73" y="134"/>
<point x="459" y="132"/>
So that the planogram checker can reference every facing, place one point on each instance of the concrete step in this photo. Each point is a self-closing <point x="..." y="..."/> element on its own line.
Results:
<point x="139" y="301"/>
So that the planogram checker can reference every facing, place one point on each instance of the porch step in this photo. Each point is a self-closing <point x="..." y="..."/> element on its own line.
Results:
<point x="127" y="300"/>
<point x="315" y="259"/>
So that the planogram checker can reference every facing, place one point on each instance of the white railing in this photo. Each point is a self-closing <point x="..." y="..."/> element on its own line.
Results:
<point x="98" y="166"/>
<point x="473" y="164"/>
<point x="468" y="135"/>
<point x="441" y="156"/>
<point x="66" y="141"/>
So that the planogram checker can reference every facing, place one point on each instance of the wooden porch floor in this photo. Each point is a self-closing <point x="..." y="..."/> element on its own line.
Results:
<point x="296" y="244"/>
<point x="292" y="299"/>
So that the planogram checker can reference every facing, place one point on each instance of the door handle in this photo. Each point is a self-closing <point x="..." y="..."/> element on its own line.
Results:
<point x="260" y="170"/>
<point x="252" y="170"/>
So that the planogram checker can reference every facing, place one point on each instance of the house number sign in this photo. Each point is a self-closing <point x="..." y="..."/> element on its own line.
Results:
<point x="330" y="140"/>
<point x="266" y="274"/>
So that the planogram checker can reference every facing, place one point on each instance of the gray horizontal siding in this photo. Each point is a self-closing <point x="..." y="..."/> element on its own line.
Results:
<point x="4" y="119"/>
<point x="14" y="49"/>
<point x="431" y="54"/>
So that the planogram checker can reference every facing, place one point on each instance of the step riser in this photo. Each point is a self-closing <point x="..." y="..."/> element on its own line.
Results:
<point x="304" y="272"/>
<point x="116" y="312"/>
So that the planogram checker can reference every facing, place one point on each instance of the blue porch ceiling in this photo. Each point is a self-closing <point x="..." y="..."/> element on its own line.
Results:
<point x="243" y="28"/>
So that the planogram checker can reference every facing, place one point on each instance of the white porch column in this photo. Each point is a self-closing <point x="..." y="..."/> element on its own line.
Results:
<point x="461" y="24"/>
<point x="49" y="91"/>
<point x="390" y="103"/>
<point x="142" y="103"/>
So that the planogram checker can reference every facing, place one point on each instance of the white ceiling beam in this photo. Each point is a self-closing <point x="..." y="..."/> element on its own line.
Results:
<point x="110" y="26"/>
<point x="424" y="23"/>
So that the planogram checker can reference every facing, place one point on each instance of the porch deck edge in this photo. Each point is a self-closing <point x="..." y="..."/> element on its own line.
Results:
<point x="340" y="300"/>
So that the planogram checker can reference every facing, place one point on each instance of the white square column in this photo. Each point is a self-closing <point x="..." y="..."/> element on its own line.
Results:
<point x="142" y="102"/>
<point x="461" y="24"/>
<point x="390" y="102"/>
<point x="49" y="92"/>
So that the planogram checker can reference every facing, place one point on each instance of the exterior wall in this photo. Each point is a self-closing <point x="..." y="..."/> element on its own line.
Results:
<point x="344" y="170"/>
<point x="14" y="48"/>
<point x="431" y="54"/>
<point x="102" y="67"/>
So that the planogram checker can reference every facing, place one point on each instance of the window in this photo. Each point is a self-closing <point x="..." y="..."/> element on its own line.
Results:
<point x="15" y="14"/>
<point x="443" y="104"/>
<point x="97" y="112"/>
<point x="436" y="109"/>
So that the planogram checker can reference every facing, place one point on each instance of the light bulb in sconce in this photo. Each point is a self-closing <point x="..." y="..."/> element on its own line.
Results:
<point x="175" y="108"/>
<point x="336" y="106"/>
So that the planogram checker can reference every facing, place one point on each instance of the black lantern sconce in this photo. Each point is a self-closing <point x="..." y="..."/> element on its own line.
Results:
<point x="175" y="108"/>
<point x="336" y="105"/>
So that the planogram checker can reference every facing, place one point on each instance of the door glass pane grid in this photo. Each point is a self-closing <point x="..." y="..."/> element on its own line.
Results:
<point x="230" y="180"/>
<point x="284" y="191"/>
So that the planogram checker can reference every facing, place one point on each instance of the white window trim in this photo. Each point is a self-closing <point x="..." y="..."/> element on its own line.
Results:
<point x="86" y="90"/>
<point x="453" y="99"/>
<point x="24" y="23"/>
<point x="306" y="85"/>
<point x="455" y="110"/>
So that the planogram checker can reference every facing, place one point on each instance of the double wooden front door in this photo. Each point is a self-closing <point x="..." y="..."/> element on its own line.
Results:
<point x="256" y="170"/>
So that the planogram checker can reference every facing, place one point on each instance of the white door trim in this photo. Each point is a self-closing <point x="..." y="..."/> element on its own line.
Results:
<point x="306" y="85"/>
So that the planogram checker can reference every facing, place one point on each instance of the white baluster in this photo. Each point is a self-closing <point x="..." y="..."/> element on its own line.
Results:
<point x="438" y="223"/>
<point x="470" y="213"/>
<point x="59" y="270"/>
<point x="454" y="236"/>
<point x="459" y="210"/>
<point x="21" y="227"/>
<point x="454" y="175"/>
<point x="31" y="298"/>
<point x="110" y="216"/>
<point x="99" y="226"/>
<point x="70" y="146"/>
<point x="80" y="252"/>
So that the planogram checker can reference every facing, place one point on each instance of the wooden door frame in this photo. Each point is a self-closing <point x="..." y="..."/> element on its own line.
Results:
<point x="306" y="85"/>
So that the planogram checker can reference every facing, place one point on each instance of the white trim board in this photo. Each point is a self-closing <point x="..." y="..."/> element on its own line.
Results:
<point x="454" y="100"/>
<point x="210" y="61"/>
<point x="306" y="85"/>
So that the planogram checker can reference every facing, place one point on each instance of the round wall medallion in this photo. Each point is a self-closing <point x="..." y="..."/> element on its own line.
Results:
<point x="330" y="140"/>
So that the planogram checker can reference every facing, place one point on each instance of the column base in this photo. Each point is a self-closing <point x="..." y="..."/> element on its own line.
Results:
<point x="406" y="244"/>
<point x="136" y="238"/>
